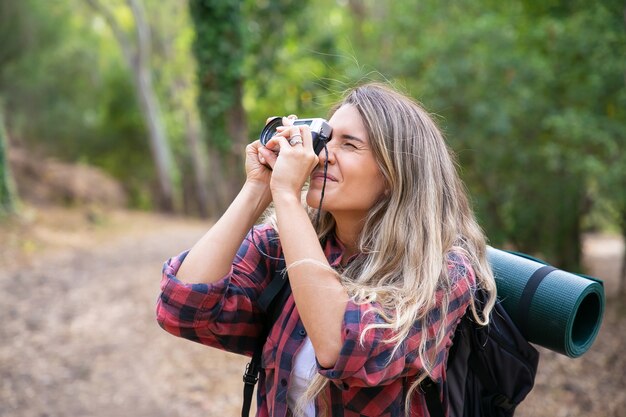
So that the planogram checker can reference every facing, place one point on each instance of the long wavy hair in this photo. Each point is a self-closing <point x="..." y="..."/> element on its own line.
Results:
<point x="410" y="232"/>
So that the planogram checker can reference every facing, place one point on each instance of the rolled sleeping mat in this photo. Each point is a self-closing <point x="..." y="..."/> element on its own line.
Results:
<point x="552" y="308"/>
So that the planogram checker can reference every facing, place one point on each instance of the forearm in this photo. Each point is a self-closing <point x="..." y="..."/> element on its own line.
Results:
<point x="211" y="257"/>
<point x="319" y="296"/>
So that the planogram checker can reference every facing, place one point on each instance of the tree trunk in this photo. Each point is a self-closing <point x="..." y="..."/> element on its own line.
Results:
<point x="569" y="209"/>
<point x="151" y="110"/>
<point x="7" y="188"/>
<point x="137" y="59"/>
<point x="622" y="277"/>
<point x="622" y="283"/>
<point x="198" y="156"/>
<point x="238" y="130"/>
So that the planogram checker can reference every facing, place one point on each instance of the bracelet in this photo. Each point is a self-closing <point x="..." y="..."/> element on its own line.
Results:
<point x="313" y="262"/>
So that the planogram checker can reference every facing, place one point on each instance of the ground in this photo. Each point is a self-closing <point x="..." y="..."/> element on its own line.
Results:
<point x="79" y="338"/>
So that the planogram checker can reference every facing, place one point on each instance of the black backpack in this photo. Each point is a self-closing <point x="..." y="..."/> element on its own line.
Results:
<point x="490" y="369"/>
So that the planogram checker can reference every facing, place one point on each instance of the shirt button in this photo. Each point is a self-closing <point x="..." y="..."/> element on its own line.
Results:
<point x="283" y="382"/>
<point x="302" y="332"/>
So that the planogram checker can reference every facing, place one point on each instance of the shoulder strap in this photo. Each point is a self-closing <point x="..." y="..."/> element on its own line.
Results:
<point x="433" y="402"/>
<point x="461" y="347"/>
<point x="271" y="291"/>
<point x="271" y="301"/>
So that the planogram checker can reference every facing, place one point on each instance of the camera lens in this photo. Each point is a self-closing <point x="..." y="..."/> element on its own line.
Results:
<point x="270" y="129"/>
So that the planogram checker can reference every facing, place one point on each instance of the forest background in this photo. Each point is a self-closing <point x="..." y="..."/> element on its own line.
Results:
<point x="163" y="96"/>
<point x="145" y="106"/>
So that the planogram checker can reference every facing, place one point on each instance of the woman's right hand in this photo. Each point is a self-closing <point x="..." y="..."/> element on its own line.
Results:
<point x="260" y="159"/>
<point x="256" y="169"/>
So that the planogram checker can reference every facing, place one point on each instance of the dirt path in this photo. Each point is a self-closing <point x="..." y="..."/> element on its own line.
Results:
<point x="78" y="335"/>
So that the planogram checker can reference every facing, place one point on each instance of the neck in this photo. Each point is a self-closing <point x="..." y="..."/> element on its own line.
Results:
<point x="348" y="230"/>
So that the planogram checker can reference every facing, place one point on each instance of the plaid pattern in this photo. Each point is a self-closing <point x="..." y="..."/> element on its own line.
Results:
<point x="367" y="379"/>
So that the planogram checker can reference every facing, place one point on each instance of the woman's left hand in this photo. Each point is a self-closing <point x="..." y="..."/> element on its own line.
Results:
<point x="293" y="163"/>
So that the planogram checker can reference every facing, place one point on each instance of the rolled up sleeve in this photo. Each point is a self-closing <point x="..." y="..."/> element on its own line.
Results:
<point x="223" y="314"/>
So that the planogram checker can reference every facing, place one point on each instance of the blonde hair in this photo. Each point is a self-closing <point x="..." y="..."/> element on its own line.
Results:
<point x="410" y="232"/>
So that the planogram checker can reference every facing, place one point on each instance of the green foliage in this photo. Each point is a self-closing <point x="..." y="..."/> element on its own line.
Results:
<point x="218" y="48"/>
<point x="531" y="95"/>
<point x="289" y="58"/>
<point x="70" y="96"/>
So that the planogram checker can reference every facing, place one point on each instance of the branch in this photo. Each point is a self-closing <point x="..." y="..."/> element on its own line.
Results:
<point x="143" y="32"/>
<point x="128" y="51"/>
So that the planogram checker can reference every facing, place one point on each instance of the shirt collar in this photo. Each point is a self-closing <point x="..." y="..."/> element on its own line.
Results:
<point x="334" y="250"/>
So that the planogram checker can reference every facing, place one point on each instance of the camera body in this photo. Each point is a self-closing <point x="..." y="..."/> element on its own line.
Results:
<point x="320" y="131"/>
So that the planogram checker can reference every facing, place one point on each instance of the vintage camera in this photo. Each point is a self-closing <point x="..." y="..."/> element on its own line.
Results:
<point x="320" y="131"/>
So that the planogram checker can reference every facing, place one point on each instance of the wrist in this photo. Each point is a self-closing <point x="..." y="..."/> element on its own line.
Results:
<point x="286" y="198"/>
<point x="258" y="188"/>
<point x="258" y="194"/>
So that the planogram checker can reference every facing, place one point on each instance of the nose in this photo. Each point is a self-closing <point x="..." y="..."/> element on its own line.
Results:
<point x="331" y="154"/>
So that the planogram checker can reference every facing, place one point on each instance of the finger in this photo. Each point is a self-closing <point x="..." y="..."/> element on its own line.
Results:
<point x="253" y="147"/>
<point x="288" y="120"/>
<point x="273" y="144"/>
<point x="277" y="142"/>
<point x="267" y="157"/>
<point x="270" y="118"/>
<point x="307" y="138"/>
<point x="295" y="136"/>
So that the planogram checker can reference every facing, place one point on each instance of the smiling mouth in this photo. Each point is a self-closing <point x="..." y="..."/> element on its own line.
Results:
<point x="320" y="176"/>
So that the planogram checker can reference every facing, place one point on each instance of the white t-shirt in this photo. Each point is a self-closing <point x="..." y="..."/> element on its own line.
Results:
<point x="304" y="368"/>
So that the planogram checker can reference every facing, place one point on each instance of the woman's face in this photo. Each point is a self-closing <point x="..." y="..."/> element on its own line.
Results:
<point x="353" y="180"/>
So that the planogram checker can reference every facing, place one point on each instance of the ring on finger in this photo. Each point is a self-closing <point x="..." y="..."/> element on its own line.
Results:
<point x="295" y="140"/>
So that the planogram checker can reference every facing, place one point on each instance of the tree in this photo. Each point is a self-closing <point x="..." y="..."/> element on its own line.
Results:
<point x="253" y="52"/>
<point x="176" y="75"/>
<point x="615" y="179"/>
<point x="7" y="189"/>
<point x="137" y="55"/>
<point x="219" y="51"/>
<point x="530" y="98"/>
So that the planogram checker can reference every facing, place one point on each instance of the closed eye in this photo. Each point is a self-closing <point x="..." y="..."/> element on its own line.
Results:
<point x="348" y="142"/>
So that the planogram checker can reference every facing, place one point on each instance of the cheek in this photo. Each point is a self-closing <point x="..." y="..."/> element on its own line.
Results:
<point x="377" y="190"/>
<point x="310" y="200"/>
<point x="369" y="189"/>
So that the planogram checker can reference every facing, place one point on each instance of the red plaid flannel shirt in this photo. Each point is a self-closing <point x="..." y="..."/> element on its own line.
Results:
<point x="365" y="381"/>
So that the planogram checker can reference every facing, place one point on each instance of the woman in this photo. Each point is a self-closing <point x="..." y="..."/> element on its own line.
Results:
<point x="378" y="286"/>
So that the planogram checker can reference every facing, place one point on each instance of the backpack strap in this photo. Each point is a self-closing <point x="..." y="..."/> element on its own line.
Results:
<point x="431" y="394"/>
<point x="250" y="378"/>
<point x="271" y="302"/>
<point x="460" y="346"/>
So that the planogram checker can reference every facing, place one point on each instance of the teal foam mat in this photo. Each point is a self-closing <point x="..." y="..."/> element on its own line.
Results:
<point x="565" y="311"/>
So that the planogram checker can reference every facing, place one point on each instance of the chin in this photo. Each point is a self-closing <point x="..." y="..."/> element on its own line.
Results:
<point x="313" y="199"/>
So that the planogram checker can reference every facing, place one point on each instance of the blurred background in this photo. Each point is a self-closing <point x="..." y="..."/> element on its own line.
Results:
<point x="122" y="130"/>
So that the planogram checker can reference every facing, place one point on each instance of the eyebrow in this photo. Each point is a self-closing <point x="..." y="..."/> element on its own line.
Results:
<point x="350" y="137"/>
